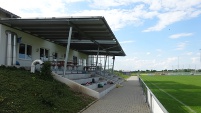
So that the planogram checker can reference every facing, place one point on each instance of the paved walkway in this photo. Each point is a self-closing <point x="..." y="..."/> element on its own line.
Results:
<point x="126" y="99"/>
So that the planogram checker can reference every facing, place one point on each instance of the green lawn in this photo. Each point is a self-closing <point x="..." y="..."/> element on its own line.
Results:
<point x="178" y="94"/>
<point x="23" y="92"/>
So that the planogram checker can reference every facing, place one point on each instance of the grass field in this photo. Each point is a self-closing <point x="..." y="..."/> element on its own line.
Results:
<point x="178" y="94"/>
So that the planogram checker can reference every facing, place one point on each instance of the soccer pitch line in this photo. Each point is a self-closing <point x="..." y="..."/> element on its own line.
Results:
<point x="175" y="99"/>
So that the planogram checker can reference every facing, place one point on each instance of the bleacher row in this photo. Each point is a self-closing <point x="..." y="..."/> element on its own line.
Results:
<point x="95" y="81"/>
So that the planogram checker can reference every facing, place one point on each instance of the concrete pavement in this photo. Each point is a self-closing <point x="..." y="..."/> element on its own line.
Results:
<point x="126" y="99"/>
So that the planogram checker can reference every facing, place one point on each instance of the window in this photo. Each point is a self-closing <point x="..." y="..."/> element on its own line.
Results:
<point x="44" y="54"/>
<point x="74" y="60"/>
<point x="55" y="55"/>
<point x="25" y="51"/>
<point x="80" y="62"/>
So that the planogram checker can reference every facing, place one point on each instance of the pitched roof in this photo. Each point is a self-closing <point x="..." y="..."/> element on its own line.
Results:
<point x="9" y="14"/>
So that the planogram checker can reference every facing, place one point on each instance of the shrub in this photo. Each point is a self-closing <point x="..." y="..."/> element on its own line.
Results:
<point x="46" y="71"/>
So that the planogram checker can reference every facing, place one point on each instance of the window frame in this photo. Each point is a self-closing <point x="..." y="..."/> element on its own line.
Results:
<point x="26" y="52"/>
<point x="44" y="57"/>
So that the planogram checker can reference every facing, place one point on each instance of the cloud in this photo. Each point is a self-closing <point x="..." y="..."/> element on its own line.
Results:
<point x="189" y="53"/>
<point x="175" y="36"/>
<point x="126" y="42"/>
<point x="167" y="12"/>
<point x="195" y="59"/>
<point x="181" y="45"/>
<point x="141" y="64"/>
<point x="116" y="18"/>
<point x="166" y="19"/>
<point x="118" y="13"/>
<point x="148" y="53"/>
<point x="159" y="50"/>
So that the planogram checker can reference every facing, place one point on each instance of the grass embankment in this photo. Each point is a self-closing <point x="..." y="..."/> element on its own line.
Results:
<point x="172" y="89"/>
<point x="23" y="92"/>
<point x="122" y="75"/>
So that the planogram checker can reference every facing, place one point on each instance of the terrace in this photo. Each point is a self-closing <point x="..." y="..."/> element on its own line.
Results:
<point x="90" y="36"/>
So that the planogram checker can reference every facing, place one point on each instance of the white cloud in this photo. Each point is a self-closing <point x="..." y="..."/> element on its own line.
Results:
<point x="116" y="18"/>
<point x="175" y="36"/>
<point x="168" y="12"/>
<point x="148" y="53"/>
<point x="104" y="4"/>
<point x="166" y="19"/>
<point x="195" y="59"/>
<point x="181" y="45"/>
<point x="126" y="42"/>
<point x="189" y="53"/>
<point x="140" y="64"/>
<point x="159" y="50"/>
<point x="130" y="12"/>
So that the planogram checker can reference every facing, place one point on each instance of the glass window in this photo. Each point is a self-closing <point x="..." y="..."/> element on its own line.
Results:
<point x="55" y="55"/>
<point x="25" y="51"/>
<point x="75" y="60"/>
<point x="29" y="52"/>
<point x="41" y="53"/>
<point x="44" y="53"/>
<point x="22" y="51"/>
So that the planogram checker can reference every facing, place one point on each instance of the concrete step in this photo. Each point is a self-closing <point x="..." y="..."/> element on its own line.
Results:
<point x="85" y="80"/>
<point x="77" y="76"/>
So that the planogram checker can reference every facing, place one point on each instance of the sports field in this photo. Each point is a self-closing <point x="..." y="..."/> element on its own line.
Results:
<point x="178" y="94"/>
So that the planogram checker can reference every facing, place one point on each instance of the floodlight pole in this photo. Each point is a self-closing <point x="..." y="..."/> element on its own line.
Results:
<point x="67" y="50"/>
<point x="178" y="64"/>
<point x="200" y="57"/>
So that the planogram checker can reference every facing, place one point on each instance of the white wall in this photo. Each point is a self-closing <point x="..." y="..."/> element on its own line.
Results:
<point x="36" y="44"/>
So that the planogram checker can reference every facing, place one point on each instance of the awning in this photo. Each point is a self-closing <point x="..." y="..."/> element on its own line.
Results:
<point x="89" y="33"/>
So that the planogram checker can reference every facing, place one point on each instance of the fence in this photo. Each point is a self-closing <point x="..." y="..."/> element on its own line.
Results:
<point x="153" y="102"/>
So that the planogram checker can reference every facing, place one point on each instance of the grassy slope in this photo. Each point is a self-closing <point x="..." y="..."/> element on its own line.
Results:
<point x="23" y="92"/>
<point x="186" y="89"/>
<point x="121" y="75"/>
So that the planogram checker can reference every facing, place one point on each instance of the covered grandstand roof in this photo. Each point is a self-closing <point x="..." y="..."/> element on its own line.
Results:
<point x="88" y="34"/>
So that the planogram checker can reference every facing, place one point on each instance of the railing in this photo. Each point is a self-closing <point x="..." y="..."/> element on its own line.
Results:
<point x="153" y="102"/>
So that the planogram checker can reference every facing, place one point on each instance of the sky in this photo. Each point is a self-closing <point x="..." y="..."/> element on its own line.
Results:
<point x="154" y="34"/>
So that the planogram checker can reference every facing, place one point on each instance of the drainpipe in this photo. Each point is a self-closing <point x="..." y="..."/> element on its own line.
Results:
<point x="9" y="49"/>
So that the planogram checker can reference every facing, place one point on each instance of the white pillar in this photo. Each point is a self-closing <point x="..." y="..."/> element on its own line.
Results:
<point x="67" y="50"/>
<point x="9" y="49"/>
<point x="14" y="50"/>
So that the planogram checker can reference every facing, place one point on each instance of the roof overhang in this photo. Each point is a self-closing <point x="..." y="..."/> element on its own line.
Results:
<point x="88" y="34"/>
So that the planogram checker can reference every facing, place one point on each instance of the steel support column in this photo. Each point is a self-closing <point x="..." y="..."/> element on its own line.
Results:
<point x="105" y="64"/>
<point x="67" y="50"/>
<point x="97" y="58"/>
<point x="113" y="65"/>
